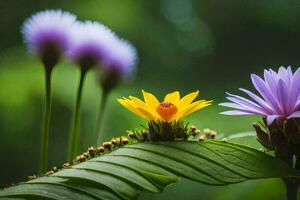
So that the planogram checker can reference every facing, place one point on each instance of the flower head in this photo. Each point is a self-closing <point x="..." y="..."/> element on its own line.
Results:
<point x="47" y="34"/>
<point x="118" y="65"/>
<point x="122" y="58"/>
<point x="91" y="43"/>
<point x="172" y="108"/>
<point x="279" y="96"/>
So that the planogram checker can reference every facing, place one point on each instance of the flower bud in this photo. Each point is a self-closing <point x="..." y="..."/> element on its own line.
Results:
<point x="100" y="149"/>
<point x="193" y="128"/>
<point x="80" y="158"/>
<point x="107" y="145"/>
<point x="66" y="165"/>
<point x="201" y="138"/>
<point x="196" y="132"/>
<point x="86" y="154"/>
<point x="124" y="140"/>
<point x="29" y="178"/>
<point x="92" y="151"/>
<point x="48" y="173"/>
<point x="131" y="135"/>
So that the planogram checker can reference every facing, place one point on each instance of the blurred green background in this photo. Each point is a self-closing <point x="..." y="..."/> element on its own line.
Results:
<point x="185" y="45"/>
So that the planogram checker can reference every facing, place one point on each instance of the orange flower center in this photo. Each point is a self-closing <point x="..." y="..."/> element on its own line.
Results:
<point x="166" y="110"/>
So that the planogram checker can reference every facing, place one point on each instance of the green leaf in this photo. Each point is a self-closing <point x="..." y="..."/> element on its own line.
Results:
<point x="125" y="172"/>
<point x="246" y="138"/>
<point x="241" y="135"/>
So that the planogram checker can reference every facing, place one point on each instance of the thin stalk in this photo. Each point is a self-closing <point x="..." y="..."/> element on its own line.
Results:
<point x="73" y="140"/>
<point x="98" y="133"/>
<point x="291" y="184"/>
<point x="297" y="164"/>
<point x="46" y="121"/>
<point x="291" y="189"/>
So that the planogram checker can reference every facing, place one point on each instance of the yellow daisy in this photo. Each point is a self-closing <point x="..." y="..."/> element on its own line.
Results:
<point x="171" y="108"/>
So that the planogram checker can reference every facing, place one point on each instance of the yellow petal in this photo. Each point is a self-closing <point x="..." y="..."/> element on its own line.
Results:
<point x="196" y="108"/>
<point x="187" y="99"/>
<point x="173" y="97"/>
<point x="131" y="107"/>
<point x="197" y="105"/>
<point x="150" y="100"/>
<point x="147" y="114"/>
<point x="142" y="105"/>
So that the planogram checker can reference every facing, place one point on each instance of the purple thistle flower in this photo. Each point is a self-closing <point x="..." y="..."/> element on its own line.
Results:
<point x="122" y="58"/>
<point x="91" y="44"/>
<point x="279" y="96"/>
<point x="47" y="34"/>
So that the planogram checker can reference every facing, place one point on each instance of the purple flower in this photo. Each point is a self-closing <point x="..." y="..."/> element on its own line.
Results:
<point x="279" y="96"/>
<point x="91" y="43"/>
<point x="122" y="58"/>
<point x="47" y="34"/>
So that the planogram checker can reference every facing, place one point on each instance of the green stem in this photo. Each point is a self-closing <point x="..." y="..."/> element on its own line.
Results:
<point x="292" y="184"/>
<point x="74" y="133"/>
<point x="103" y="100"/>
<point x="46" y="121"/>
<point x="291" y="189"/>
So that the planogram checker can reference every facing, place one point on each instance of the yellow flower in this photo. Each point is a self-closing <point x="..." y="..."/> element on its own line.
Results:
<point x="171" y="108"/>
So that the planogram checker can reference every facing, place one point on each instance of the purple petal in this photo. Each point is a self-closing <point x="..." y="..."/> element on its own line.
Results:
<point x="289" y="77"/>
<point x="286" y="75"/>
<point x="260" y="86"/>
<point x="270" y="80"/>
<point x="282" y="73"/>
<point x="295" y="89"/>
<point x="239" y="107"/>
<point x="273" y="73"/>
<point x="236" y="112"/>
<point x="294" y="115"/>
<point x="247" y="104"/>
<point x="122" y="59"/>
<point x="297" y="107"/>
<point x="282" y="96"/>
<point x="271" y="118"/>
<point x="231" y="105"/>
<point x="258" y="100"/>
<point x="242" y="108"/>
<point x="290" y="73"/>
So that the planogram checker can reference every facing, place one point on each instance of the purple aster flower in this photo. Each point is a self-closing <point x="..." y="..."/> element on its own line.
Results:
<point x="279" y="96"/>
<point x="47" y="34"/>
<point x="122" y="58"/>
<point x="119" y="64"/>
<point x="91" y="44"/>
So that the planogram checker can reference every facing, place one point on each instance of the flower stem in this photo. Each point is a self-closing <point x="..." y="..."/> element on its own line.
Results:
<point x="291" y="189"/>
<point x="291" y="184"/>
<point x="98" y="132"/>
<point x="46" y="121"/>
<point x="74" y="133"/>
